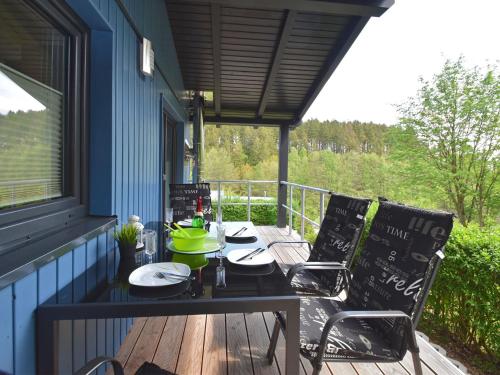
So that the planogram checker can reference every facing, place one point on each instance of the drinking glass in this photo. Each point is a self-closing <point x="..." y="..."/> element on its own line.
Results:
<point x="150" y="244"/>
<point x="220" y="270"/>
<point x="169" y="215"/>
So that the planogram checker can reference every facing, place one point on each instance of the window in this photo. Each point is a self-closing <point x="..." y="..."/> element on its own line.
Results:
<point x="42" y="115"/>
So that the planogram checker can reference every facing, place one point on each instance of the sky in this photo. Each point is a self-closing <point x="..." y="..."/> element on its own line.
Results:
<point x="412" y="39"/>
<point x="14" y="98"/>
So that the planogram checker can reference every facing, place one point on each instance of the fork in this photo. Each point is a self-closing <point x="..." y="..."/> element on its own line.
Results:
<point x="164" y="275"/>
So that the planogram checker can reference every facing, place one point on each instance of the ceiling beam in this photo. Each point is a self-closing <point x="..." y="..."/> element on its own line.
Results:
<point x="336" y="55"/>
<point x="275" y="65"/>
<point x="216" y="40"/>
<point x="362" y="8"/>
<point x="244" y="121"/>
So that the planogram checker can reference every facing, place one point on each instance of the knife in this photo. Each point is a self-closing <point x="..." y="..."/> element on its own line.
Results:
<point x="250" y="254"/>
<point x="239" y="231"/>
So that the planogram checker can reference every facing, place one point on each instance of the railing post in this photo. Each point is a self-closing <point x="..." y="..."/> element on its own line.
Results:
<point x="219" y="202"/>
<point x="303" y="212"/>
<point x="249" y="205"/>
<point x="284" y="140"/>
<point x="290" y="213"/>
<point x="321" y="207"/>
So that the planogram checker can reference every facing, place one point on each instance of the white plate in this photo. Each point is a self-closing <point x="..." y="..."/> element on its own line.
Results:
<point x="258" y="260"/>
<point x="186" y="223"/>
<point x="143" y="276"/>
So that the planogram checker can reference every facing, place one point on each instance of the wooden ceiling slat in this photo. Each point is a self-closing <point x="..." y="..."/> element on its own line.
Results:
<point x="191" y="36"/>
<point x="188" y="8"/>
<point x="239" y="74"/>
<point x="240" y="53"/>
<point x="323" y="18"/>
<point x="315" y="33"/>
<point x="308" y="46"/>
<point x="251" y="21"/>
<point x="246" y="59"/>
<point x="247" y="42"/>
<point x="244" y="64"/>
<point x="301" y="64"/>
<point x="247" y="35"/>
<point x="252" y="13"/>
<point x="205" y="18"/>
<point x="245" y="48"/>
<point x="316" y="26"/>
<point x="257" y="29"/>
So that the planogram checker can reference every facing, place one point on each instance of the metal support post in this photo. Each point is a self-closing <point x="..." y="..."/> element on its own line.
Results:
<point x="283" y="174"/>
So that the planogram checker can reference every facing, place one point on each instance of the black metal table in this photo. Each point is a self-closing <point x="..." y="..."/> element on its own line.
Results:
<point x="247" y="290"/>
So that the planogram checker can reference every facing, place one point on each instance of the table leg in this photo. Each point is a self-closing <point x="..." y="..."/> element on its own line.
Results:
<point x="45" y="347"/>
<point x="292" y="335"/>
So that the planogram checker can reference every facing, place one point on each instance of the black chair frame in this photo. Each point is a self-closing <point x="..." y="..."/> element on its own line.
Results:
<point x="94" y="364"/>
<point x="307" y="265"/>
<point x="410" y="322"/>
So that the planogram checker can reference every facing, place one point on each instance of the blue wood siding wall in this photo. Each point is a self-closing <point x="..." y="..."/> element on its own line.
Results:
<point x="81" y="340"/>
<point x="135" y="189"/>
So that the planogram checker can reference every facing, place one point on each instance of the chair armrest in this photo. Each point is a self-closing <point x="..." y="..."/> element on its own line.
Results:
<point x="316" y="266"/>
<point x="376" y="314"/>
<point x="94" y="364"/>
<point x="290" y="242"/>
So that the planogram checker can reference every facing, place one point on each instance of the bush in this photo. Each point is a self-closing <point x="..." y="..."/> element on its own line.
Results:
<point x="465" y="298"/>
<point x="260" y="215"/>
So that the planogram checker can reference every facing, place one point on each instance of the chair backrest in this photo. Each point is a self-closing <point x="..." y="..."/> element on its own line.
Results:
<point x="339" y="233"/>
<point x="398" y="263"/>
<point x="183" y="199"/>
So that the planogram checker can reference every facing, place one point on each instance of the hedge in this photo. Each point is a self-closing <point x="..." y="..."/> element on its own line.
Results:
<point x="260" y="215"/>
<point x="464" y="301"/>
<point x="465" y="298"/>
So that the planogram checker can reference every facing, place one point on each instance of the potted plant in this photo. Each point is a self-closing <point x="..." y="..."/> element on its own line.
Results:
<point x="127" y="240"/>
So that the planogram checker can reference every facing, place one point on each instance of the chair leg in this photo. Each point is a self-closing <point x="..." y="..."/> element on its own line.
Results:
<point x="417" y="365"/>
<point x="274" y="341"/>
<point x="317" y="368"/>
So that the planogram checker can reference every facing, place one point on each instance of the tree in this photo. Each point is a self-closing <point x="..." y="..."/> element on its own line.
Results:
<point x="456" y="117"/>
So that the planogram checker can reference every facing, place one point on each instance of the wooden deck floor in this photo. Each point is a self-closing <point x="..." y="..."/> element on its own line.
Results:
<point x="237" y="343"/>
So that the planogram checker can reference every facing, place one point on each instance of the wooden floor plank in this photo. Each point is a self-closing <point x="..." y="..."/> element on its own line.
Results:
<point x="130" y="341"/>
<point x="238" y="351"/>
<point x="407" y="363"/>
<point x="341" y="368"/>
<point x="167" y="353"/>
<point x="259" y="342"/>
<point x="146" y="345"/>
<point x="367" y="369"/>
<point x="191" y="354"/>
<point x="434" y="360"/>
<point x="280" y="347"/>
<point x="392" y="368"/>
<point x="214" y="353"/>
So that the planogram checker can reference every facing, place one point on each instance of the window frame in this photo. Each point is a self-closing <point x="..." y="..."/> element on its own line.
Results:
<point x="20" y="225"/>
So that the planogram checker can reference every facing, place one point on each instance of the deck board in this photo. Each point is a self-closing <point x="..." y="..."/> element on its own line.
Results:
<point x="237" y="343"/>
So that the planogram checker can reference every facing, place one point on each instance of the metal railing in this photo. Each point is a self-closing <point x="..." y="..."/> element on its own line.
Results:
<point x="303" y="218"/>
<point x="289" y="208"/>
<point x="248" y="203"/>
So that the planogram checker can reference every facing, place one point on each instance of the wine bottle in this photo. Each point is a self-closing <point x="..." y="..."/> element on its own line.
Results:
<point x="198" y="220"/>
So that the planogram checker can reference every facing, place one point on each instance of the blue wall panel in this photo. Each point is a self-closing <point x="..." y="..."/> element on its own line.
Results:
<point x="25" y="302"/>
<point x="7" y="331"/>
<point x="131" y="182"/>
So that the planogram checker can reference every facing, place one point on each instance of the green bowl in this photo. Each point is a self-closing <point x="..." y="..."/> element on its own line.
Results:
<point x="183" y="243"/>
